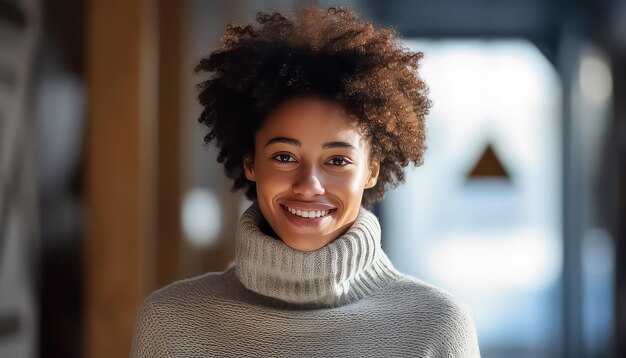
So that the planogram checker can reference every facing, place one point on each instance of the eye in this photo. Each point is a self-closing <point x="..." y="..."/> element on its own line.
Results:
<point x="338" y="161"/>
<point x="283" y="158"/>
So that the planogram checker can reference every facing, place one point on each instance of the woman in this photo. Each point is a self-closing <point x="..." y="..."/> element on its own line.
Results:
<point x="315" y="118"/>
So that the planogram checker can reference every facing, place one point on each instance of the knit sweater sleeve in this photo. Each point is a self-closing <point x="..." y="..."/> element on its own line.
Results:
<point x="459" y="338"/>
<point x="147" y="340"/>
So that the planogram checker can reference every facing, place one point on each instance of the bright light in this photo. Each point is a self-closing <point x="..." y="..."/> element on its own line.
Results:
<point x="502" y="260"/>
<point x="596" y="82"/>
<point x="201" y="217"/>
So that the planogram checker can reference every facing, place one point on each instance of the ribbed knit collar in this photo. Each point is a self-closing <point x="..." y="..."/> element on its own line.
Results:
<point x="347" y="269"/>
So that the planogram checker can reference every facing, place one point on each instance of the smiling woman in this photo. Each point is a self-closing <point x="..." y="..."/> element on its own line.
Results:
<point x="311" y="166"/>
<point x="315" y="117"/>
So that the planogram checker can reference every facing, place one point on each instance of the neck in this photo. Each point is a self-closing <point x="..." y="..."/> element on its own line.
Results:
<point x="267" y="229"/>
<point x="347" y="269"/>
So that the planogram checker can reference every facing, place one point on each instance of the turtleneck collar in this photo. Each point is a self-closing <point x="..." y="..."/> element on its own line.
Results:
<point x="347" y="269"/>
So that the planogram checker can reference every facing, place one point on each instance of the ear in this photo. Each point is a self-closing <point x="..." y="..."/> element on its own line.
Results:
<point x="248" y="168"/>
<point x="373" y="176"/>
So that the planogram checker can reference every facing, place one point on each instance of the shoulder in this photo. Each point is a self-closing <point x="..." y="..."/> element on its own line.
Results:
<point x="205" y="287"/>
<point x="438" y="314"/>
<point x="174" y="306"/>
<point x="428" y="297"/>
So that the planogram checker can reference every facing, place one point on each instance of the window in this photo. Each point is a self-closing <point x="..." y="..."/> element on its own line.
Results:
<point x="482" y="217"/>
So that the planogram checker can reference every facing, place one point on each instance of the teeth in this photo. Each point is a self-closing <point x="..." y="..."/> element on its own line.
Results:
<point x="308" y="214"/>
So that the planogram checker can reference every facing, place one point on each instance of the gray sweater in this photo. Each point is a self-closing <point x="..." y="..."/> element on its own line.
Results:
<point x="343" y="300"/>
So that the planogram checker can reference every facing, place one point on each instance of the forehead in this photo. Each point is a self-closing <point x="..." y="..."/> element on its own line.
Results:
<point x="310" y="119"/>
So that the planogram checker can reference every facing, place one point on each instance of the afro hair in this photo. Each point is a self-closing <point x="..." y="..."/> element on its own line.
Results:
<point x="328" y="53"/>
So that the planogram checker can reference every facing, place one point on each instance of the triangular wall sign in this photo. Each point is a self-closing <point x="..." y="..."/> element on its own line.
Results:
<point x="489" y="166"/>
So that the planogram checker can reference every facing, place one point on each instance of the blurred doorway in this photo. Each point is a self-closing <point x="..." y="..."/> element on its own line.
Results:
<point x="482" y="217"/>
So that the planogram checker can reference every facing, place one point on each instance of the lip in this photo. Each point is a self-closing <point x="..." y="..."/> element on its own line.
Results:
<point x="308" y="223"/>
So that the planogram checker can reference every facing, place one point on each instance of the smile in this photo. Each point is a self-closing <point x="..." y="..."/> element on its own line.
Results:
<point x="312" y="214"/>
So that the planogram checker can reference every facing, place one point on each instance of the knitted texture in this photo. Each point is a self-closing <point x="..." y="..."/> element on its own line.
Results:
<point x="347" y="269"/>
<point x="343" y="300"/>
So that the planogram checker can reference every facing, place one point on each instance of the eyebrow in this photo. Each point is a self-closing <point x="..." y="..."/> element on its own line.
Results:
<point x="293" y="141"/>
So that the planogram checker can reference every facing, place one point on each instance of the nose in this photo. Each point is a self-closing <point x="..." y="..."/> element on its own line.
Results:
<point x="308" y="183"/>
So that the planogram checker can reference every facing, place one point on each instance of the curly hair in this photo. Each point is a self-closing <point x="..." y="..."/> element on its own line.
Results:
<point x="327" y="53"/>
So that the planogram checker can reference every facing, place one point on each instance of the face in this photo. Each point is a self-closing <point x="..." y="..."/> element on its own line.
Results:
<point x="311" y="166"/>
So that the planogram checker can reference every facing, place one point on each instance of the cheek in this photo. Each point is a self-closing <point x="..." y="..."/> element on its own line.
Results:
<point x="272" y="183"/>
<point x="350" y="183"/>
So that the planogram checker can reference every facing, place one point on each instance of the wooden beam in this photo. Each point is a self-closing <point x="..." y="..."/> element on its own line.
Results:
<point x="120" y="171"/>
<point x="169" y="189"/>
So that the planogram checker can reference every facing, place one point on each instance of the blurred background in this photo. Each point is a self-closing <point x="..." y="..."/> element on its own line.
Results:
<point x="108" y="193"/>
